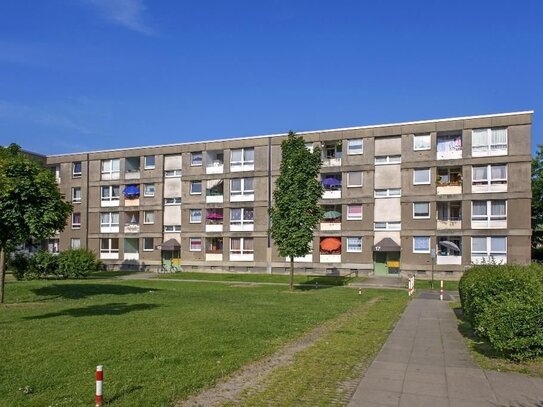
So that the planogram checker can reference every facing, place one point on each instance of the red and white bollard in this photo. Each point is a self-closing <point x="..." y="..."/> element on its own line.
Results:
<point x="441" y="291"/>
<point x="99" y="384"/>
<point x="411" y="286"/>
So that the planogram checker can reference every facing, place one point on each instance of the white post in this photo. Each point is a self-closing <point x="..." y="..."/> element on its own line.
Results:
<point x="441" y="290"/>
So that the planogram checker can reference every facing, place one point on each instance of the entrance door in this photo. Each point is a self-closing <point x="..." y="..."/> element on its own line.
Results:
<point x="380" y="267"/>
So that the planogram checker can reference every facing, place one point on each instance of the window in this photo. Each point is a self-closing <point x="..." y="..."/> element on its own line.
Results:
<point x="489" y="174"/>
<point x="172" y="173"/>
<point x="109" y="219"/>
<point x="421" y="142"/>
<point x="489" y="142"/>
<point x="241" y="186"/>
<point x="148" y="217"/>
<point x="195" y="244"/>
<point x="387" y="226"/>
<point x="111" y="169"/>
<point x="449" y="146"/>
<point x="421" y="210"/>
<point x="242" y="156"/>
<point x="489" y="246"/>
<point x="196" y="158"/>
<point x="172" y="228"/>
<point x="148" y="244"/>
<point x="76" y="195"/>
<point x="241" y="216"/>
<point x="489" y="210"/>
<point x="195" y="216"/>
<point x="172" y="201"/>
<point x="421" y="244"/>
<point x="354" y="179"/>
<point x="75" y="243"/>
<point x="355" y="146"/>
<point x="76" y="169"/>
<point x="149" y="162"/>
<point x="110" y="245"/>
<point x="110" y="193"/>
<point x="387" y="193"/>
<point x="354" y="244"/>
<point x="195" y="187"/>
<point x="354" y="212"/>
<point x="388" y="159"/>
<point x="241" y="245"/>
<point x="76" y="220"/>
<point x="421" y="176"/>
<point x="149" y="190"/>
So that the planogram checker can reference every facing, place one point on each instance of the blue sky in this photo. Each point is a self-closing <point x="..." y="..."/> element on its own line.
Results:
<point x="79" y="75"/>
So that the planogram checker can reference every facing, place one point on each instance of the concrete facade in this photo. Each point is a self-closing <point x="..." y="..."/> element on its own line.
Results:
<point x="432" y="187"/>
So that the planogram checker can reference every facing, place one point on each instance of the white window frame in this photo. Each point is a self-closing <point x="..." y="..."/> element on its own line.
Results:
<point x="146" y="164"/>
<point x="242" y="221"/>
<point x="74" y="246"/>
<point x="76" y="174"/>
<point x="146" y="240"/>
<point x="146" y="193"/>
<point x="489" y="216"/>
<point x="357" y="217"/>
<point x="76" y="225"/>
<point x="426" y="146"/>
<point x="355" y="146"/>
<point x="242" y="191"/>
<point x="193" y="161"/>
<point x="418" y="170"/>
<point x="110" y="223"/>
<point x="172" y="228"/>
<point x="195" y="182"/>
<point x="192" y="219"/>
<point x="110" y="197"/>
<point x="388" y="193"/>
<point x="388" y="226"/>
<point x="488" y="251"/>
<point x="192" y="240"/>
<point x="489" y="149"/>
<point x="76" y="199"/>
<point x="358" y="250"/>
<point x="415" y="250"/>
<point x="489" y="180"/>
<point x="107" y="168"/>
<point x="145" y="213"/>
<point x="172" y="173"/>
<point x="172" y="201"/>
<point x="415" y="216"/>
<point x="243" y="161"/>
<point x="109" y="249"/>
<point x="388" y="159"/>
<point x="242" y="249"/>
<point x="349" y="185"/>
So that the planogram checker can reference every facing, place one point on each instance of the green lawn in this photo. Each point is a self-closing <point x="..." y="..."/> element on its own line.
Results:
<point x="426" y="285"/>
<point x="262" y="278"/>
<point x="159" y="341"/>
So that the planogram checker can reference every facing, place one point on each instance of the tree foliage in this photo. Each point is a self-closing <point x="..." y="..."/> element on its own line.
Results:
<point x="31" y="206"/>
<point x="537" y="197"/>
<point x="295" y="212"/>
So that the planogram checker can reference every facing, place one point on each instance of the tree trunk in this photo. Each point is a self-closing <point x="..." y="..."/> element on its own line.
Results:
<point x="291" y="280"/>
<point x="2" y="274"/>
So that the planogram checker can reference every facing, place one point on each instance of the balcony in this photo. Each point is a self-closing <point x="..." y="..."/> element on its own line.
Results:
<point x="132" y="228"/>
<point x="214" y="162"/>
<point x="332" y="186"/>
<point x="330" y="250"/>
<point x="330" y="258"/>
<point x="132" y="202"/>
<point x="449" y="250"/>
<point x="214" y="248"/>
<point x="308" y="258"/>
<point x="332" y="218"/>
<point x="330" y="226"/>
<point x="132" y="168"/>
<point x="449" y="260"/>
<point x="449" y="224"/>
<point x="214" y="256"/>
<point x="214" y="191"/>
<point x="449" y="181"/>
<point x="449" y="147"/>
<point x="331" y="154"/>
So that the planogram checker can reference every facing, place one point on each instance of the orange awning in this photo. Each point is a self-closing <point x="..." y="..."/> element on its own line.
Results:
<point x="330" y="244"/>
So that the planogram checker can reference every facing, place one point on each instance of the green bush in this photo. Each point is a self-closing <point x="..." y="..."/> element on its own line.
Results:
<point x="77" y="263"/>
<point x="42" y="265"/>
<point x="19" y="265"/>
<point x="504" y="303"/>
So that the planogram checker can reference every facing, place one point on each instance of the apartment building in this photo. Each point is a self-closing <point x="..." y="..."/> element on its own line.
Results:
<point x="399" y="199"/>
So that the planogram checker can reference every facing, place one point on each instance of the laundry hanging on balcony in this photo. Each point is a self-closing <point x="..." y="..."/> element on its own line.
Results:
<point x="330" y="244"/>
<point x="131" y="192"/>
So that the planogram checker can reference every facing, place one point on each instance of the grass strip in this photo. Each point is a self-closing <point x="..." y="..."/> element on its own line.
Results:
<point x="426" y="285"/>
<point x="320" y="374"/>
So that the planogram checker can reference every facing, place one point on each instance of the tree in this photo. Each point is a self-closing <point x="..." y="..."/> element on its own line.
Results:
<point x="295" y="212"/>
<point x="31" y="206"/>
<point x="537" y="198"/>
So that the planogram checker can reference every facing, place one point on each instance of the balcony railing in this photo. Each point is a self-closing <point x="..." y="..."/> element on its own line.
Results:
<point x="132" y="228"/>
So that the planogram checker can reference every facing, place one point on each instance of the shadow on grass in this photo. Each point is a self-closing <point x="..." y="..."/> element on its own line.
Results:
<point x="80" y="291"/>
<point x="480" y="345"/>
<point x="95" y="310"/>
<point x="124" y="391"/>
<point x="315" y="283"/>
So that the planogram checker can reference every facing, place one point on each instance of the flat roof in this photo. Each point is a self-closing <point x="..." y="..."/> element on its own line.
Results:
<point x="302" y="132"/>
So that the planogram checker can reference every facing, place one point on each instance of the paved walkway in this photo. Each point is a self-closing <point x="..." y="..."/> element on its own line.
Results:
<point x="425" y="362"/>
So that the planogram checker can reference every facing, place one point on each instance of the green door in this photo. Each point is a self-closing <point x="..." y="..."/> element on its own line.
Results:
<point x="380" y="267"/>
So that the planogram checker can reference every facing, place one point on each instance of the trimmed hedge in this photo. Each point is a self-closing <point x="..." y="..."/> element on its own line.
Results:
<point x="504" y="304"/>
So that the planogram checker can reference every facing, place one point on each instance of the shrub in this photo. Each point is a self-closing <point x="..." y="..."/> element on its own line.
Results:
<point x="504" y="303"/>
<point x="42" y="265"/>
<point x="19" y="264"/>
<point x="77" y="263"/>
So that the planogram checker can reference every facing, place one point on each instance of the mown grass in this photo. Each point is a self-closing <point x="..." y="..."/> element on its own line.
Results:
<point x="262" y="278"/>
<point x="427" y="285"/>
<point x="318" y="374"/>
<point x="159" y="341"/>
